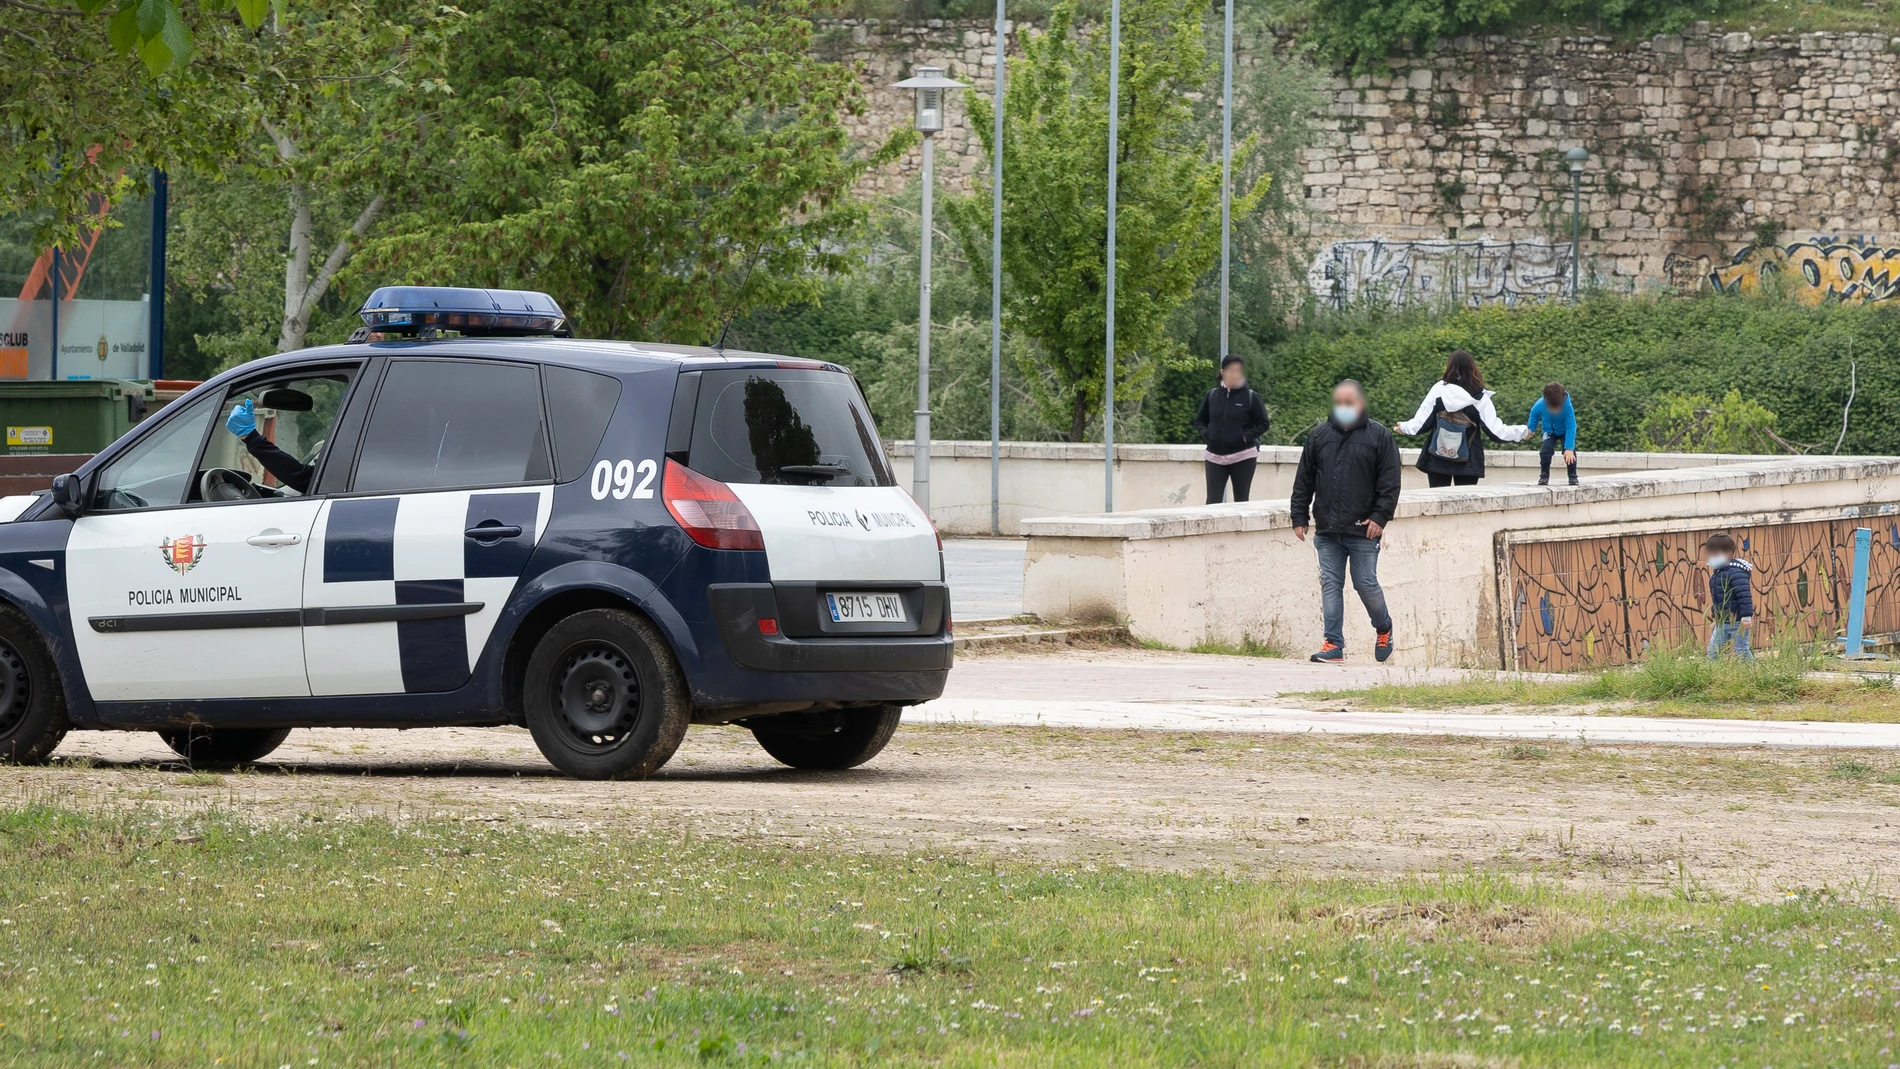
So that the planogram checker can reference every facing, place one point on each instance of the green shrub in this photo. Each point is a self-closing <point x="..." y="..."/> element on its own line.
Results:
<point x="1619" y="357"/>
<point x="1361" y="32"/>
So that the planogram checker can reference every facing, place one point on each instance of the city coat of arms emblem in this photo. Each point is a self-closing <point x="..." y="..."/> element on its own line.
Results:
<point x="183" y="553"/>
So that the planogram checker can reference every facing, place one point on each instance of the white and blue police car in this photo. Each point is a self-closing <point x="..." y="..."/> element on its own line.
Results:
<point x="467" y="517"/>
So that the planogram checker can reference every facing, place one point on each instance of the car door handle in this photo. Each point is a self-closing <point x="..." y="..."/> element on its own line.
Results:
<point x="272" y="539"/>
<point x="490" y="531"/>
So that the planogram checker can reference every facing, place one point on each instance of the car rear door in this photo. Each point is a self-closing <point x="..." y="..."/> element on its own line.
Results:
<point x="848" y="550"/>
<point x="449" y="493"/>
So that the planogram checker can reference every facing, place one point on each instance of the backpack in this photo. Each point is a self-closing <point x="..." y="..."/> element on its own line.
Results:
<point x="1451" y="437"/>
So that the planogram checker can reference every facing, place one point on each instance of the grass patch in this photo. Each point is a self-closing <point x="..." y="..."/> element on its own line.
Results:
<point x="1248" y="646"/>
<point x="165" y="941"/>
<point x="1681" y="682"/>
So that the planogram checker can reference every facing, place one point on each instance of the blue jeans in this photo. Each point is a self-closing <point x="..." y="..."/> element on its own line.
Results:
<point x="1363" y="552"/>
<point x="1727" y="631"/>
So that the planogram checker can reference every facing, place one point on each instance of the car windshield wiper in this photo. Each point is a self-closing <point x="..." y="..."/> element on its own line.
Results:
<point x="813" y="469"/>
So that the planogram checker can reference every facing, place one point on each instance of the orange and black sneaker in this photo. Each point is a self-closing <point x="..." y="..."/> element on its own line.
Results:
<point x="1331" y="651"/>
<point x="1382" y="648"/>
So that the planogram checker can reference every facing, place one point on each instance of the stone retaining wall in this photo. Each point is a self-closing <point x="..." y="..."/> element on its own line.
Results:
<point x="1228" y="572"/>
<point x="1059" y="478"/>
<point x="1715" y="157"/>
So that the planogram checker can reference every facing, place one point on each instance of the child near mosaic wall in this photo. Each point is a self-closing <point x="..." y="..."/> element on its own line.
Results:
<point x="1557" y="418"/>
<point x="1731" y="597"/>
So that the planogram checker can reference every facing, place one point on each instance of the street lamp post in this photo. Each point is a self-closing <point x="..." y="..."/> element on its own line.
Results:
<point x="1226" y="170"/>
<point x="996" y="287"/>
<point x="929" y="85"/>
<point x="1114" y="143"/>
<point x="1577" y="156"/>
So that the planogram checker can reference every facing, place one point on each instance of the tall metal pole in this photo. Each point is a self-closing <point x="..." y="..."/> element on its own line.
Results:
<point x="155" y="324"/>
<point x="56" y="254"/>
<point x="920" y="463"/>
<point x="1226" y="172"/>
<point x="996" y="289"/>
<point x="1114" y="143"/>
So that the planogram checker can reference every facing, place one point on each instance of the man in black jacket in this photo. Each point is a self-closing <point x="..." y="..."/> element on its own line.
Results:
<point x="1351" y="464"/>
<point x="1231" y="421"/>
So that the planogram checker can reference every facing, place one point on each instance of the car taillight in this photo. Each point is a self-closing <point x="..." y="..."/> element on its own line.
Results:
<point x="708" y="511"/>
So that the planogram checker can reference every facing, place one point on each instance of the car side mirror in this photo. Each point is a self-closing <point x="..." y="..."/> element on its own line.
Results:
<point x="69" y="493"/>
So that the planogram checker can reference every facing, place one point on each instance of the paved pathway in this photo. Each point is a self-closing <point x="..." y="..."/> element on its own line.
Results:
<point x="986" y="577"/>
<point x="1186" y="716"/>
<point x="1184" y="692"/>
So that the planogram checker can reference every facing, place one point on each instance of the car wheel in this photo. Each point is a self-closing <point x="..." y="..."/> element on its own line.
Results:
<point x="207" y="747"/>
<point x="841" y="738"/>
<point x="604" y="697"/>
<point x="32" y="705"/>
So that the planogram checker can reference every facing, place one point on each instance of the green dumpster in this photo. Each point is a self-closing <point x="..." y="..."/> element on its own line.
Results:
<point x="75" y="416"/>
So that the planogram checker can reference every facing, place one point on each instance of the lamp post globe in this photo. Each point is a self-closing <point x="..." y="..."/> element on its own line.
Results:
<point x="930" y="86"/>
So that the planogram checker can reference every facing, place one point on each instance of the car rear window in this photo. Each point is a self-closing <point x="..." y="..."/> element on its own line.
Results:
<point x="788" y="426"/>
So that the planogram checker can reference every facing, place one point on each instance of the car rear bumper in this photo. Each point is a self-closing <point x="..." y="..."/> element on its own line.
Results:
<point x="738" y="608"/>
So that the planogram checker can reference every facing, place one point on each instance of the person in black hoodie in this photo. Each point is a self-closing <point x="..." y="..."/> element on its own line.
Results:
<point x="1231" y="420"/>
<point x="1346" y="488"/>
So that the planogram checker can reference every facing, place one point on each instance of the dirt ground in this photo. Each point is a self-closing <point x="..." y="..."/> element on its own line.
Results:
<point x="1752" y="823"/>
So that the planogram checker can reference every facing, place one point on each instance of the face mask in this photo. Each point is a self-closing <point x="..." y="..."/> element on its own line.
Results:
<point x="1716" y="560"/>
<point x="1345" y="415"/>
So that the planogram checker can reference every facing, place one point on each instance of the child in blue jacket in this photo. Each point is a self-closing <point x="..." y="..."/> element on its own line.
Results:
<point x="1731" y="597"/>
<point x="1557" y="418"/>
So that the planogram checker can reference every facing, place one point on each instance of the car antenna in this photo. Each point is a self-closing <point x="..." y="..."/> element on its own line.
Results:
<point x="720" y="345"/>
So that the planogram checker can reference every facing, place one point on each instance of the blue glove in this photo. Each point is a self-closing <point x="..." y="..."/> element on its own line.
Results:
<point x="243" y="420"/>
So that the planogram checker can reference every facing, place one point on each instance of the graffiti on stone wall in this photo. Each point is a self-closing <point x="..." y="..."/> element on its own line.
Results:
<point x="1817" y="271"/>
<point x="1402" y="273"/>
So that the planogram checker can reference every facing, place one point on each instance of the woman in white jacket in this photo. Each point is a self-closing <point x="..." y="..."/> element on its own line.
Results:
<point x="1455" y="418"/>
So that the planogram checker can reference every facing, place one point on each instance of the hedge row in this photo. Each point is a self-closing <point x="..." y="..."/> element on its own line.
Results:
<point x="1618" y="356"/>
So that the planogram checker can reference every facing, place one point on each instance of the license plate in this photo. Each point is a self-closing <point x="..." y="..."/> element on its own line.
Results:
<point x="867" y="608"/>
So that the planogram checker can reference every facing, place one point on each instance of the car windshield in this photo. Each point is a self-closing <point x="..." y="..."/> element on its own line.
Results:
<point x="792" y="427"/>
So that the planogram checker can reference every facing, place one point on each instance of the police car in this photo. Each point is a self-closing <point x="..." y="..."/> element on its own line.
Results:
<point x="470" y="518"/>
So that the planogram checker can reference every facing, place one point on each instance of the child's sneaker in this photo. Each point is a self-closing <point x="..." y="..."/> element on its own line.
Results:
<point x="1543" y="480"/>
<point x="1331" y="651"/>
<point x="1574" y="482"/>
<point x="1382" y="647"/>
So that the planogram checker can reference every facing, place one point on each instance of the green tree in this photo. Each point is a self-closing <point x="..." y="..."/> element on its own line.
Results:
<point x="1055" y="202"/>
<point x="1276" y="96"/>
<point x="268" y="236"/>
<point x="95" y="93"/>
<point x="659" y="167"/>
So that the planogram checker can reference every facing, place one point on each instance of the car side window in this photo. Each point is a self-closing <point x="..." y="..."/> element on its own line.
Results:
<point x="295" y="416"/>
<point x="440" y="424"/>
<point x="157" y="469"/>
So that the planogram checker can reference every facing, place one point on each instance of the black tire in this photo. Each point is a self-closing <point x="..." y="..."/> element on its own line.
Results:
<point x="208" y="747"/>
<point x="604" y="697"/>
<point x="838" y="739"/>
<point x="32" y="704"/>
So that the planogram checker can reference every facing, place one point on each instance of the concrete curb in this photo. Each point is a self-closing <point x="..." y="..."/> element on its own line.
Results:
<point x="1037" y="635"/>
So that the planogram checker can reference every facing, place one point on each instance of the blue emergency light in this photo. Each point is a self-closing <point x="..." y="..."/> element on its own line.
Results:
<point x="427" y="310"/>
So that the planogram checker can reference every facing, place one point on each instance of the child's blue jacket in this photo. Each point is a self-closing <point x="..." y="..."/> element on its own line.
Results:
<point x="1562" y="422"/>
<point x="1731" y="593"/>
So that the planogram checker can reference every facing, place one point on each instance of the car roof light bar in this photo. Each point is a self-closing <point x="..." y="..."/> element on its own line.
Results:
<point x="426" y="311"/>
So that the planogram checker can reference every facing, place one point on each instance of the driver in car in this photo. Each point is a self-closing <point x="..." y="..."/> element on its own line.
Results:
<point x="288" y="469"/>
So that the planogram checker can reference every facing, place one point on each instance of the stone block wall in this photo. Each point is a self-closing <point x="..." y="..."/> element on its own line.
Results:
<point x="1716" y="159"/>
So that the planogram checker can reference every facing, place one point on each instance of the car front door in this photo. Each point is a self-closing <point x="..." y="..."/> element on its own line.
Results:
<point x="176" y="597"/>
<point x="450" y="493"/>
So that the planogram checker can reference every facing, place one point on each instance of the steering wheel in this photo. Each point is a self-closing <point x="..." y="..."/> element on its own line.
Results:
<point x="226" y="484"/>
